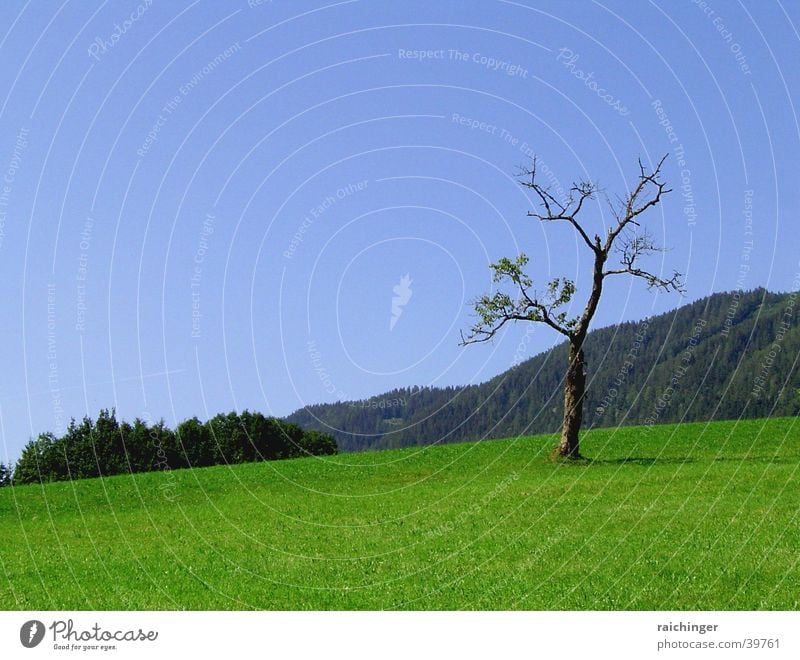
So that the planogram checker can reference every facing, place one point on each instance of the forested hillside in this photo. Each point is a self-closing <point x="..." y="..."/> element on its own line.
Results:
<point x="725" y="356"/>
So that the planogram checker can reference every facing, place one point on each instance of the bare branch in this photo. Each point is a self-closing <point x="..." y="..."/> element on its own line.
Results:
<point x="674" y="283"/>
<point x="631" y="248"/>
<point x="634" y="205"/>
<point x="555" y="210"/>
<point x="479" y="335"/>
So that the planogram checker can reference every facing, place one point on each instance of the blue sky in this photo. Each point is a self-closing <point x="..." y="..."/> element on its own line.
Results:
<point x="208" y="206"/>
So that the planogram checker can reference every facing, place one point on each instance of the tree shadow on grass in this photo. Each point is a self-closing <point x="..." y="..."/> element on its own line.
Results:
<point x="775" y="460"/>
<point x="668" y="460"/>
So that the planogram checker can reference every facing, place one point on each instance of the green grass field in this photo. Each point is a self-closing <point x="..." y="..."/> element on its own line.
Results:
<point x="694" y="516"/>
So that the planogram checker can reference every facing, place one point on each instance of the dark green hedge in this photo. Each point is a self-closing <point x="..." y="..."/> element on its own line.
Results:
<point x="103" y="447"/>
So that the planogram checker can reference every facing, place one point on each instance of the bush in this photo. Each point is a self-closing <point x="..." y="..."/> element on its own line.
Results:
<point x="41" y="460"/>
<point x="196" y="442"/>
<point x="5" y="475"/>
<point x="317" y="443"/>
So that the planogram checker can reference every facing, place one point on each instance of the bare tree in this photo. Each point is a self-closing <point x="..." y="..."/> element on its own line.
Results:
<point x="625" y="239"/>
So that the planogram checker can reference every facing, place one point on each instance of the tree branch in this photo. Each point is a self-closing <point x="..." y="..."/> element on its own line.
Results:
<point x="633" y="206"/>
<point x="674" y="283"/>
<point x="555" y="210"/>
<point x="494" y="311"/>
<point x="633" y="246"/>
<point x="479" y="335"/>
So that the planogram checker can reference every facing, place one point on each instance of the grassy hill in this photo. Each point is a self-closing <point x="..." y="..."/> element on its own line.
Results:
<point x="707" y="357"/>
<point x="696" y="516"/>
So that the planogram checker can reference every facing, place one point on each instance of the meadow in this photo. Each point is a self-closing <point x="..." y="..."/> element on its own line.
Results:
<point x="690" y="516"/>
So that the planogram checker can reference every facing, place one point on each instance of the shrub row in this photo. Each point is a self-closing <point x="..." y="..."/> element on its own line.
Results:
<point x="103" y="447"/>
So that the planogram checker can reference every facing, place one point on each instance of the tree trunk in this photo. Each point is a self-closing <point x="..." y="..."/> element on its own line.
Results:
<point x="574" y="392"/>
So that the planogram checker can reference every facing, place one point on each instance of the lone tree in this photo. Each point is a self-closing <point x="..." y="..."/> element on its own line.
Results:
<point x="625" y="239"/>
